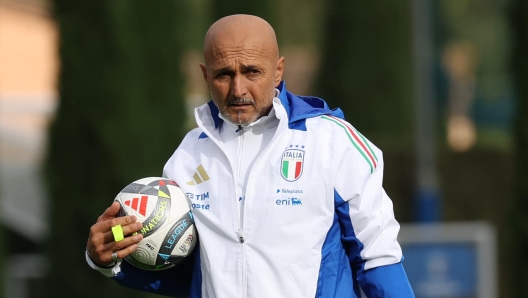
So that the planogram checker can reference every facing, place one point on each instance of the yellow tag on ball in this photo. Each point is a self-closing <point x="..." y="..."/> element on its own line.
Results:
<point x="118" y="233"/>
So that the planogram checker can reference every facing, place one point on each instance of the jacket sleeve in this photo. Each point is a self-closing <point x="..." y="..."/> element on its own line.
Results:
<point x="366" y="217"/>
<point x="183" y="280"/>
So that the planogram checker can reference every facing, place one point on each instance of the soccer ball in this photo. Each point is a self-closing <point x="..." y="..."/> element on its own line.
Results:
<point x="168" y="229"/>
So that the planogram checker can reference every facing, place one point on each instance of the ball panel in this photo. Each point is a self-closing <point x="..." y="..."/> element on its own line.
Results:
<point x="157" y="217"/>
<point x="174" y="235"/>
<point x="145" y="254"/>
<point x="139" y="205"/>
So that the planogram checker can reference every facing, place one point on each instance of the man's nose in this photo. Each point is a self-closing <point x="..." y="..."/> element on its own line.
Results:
<point x="238" y="86"/>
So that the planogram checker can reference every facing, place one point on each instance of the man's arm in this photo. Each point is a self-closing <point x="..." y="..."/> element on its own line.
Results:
<point x="385" y="281"/>
<point x="388" y="278"/>
<point x="183" y="280"/>
<point x="369" y="229"/>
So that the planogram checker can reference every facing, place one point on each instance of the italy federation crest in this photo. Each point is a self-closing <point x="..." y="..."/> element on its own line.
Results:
<point x="292" y="164"/>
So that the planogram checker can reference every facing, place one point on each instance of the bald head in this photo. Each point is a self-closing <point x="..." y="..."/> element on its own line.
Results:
<point x="242" y="67"/>
<point x="240" y="31"/>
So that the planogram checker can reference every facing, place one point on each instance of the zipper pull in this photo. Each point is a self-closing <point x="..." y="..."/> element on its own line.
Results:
<point x="240" y="237"/>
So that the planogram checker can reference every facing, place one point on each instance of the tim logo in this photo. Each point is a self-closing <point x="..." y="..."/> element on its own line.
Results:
<point x="289" y="201"/>
<point x="292" y="163"/>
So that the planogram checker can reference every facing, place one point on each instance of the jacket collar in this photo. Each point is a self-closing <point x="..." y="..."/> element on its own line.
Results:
<point x="298" y="108"/>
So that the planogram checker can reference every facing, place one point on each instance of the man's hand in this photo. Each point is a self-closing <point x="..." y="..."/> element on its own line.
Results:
<point x="101" y="243"/>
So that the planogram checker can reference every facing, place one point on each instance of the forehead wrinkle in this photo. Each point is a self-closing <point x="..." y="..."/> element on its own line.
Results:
<point x="244" y="56"/>
<point x="256" y="54"/>
<point x="251" y="48"/>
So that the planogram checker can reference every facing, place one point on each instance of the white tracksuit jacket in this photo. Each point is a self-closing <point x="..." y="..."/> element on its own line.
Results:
<point x="313" y="221"/>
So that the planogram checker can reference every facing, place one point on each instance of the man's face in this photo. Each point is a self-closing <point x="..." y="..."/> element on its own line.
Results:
<point x="242" y="80"/>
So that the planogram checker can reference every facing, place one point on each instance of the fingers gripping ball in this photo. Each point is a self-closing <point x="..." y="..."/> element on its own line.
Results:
<point x="168" y="229"/>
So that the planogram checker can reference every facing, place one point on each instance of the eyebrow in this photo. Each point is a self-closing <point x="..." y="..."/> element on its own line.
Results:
<point x="229" y="69"/>
<point x="250" y="66"/>
<point x="223" y="70"/>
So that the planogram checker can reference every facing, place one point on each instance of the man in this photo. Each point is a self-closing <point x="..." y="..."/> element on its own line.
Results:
<point x="296" y="206"/>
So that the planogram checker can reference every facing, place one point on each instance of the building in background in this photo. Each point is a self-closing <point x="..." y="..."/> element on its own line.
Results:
<point x="28" y="96"/>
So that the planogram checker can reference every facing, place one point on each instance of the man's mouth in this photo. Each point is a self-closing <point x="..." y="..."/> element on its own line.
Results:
<point x="240" y="104"/>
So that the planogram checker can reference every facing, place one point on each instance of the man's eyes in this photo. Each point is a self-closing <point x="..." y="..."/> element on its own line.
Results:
<point x="251" y="72"/>
<point x="223" y="74"/>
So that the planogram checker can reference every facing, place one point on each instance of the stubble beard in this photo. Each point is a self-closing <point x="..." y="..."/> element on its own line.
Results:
<point x="238" y="118"/>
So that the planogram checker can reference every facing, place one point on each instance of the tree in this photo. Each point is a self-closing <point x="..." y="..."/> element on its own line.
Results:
<point x="119" y="119"/>
<point x="519" y="21"/>
<point x="366" y="65"/>
<point x="3" y="260"/>
<point x="263" y="9"/>
<point x="366" y="71"/>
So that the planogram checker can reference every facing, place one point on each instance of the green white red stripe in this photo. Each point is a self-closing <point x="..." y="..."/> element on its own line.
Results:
<point x="291" y="169"/>
<point x="358" y="140"/>
<point x="292" y="162"/>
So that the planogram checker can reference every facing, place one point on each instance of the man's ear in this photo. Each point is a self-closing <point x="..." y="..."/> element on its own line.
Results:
<point x="204" y="71"/>
<point x="279" y="70"/>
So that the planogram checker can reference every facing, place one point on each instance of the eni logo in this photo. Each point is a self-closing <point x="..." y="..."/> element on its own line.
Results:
<point x="289" y="201"/>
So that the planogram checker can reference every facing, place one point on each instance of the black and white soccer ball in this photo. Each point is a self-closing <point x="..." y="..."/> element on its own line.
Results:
<point x="169" y="234"/>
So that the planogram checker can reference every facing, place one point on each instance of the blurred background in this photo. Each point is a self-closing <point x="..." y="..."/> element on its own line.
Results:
<point x="96" y="94"/>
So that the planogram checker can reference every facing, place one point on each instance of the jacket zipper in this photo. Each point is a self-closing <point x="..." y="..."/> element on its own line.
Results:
<point x="239" y="211"/>
<point x="238" y="161"/>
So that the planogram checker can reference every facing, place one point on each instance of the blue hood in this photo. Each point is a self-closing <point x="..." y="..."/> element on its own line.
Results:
<point x="299" y="108"/>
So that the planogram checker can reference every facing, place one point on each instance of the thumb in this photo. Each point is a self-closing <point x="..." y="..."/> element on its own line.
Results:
<point x="110" y="212"/>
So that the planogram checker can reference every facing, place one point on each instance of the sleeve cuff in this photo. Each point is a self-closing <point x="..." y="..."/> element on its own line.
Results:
<point x="109" y="271"/>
